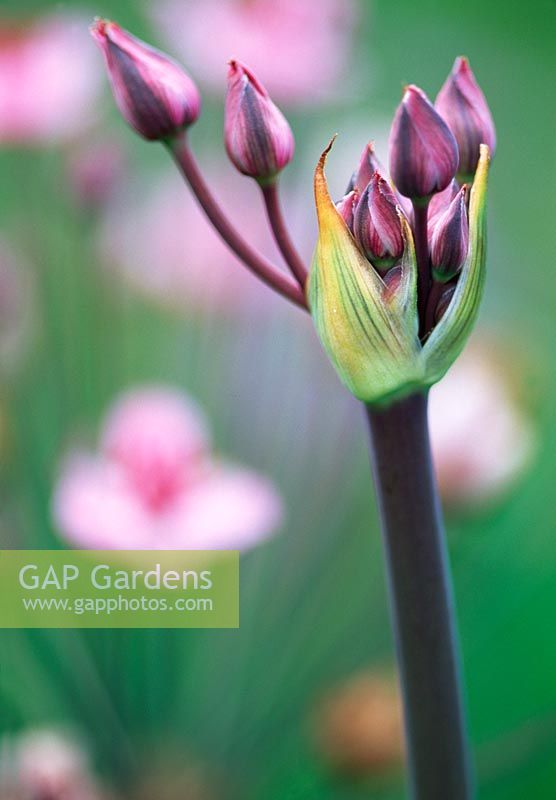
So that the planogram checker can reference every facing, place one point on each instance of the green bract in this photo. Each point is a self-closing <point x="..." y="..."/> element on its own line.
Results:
<point x="370" y="331"/>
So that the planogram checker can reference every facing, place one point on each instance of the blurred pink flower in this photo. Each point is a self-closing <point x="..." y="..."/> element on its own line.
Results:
<point x="49" y="79"/>
<point x="163" y="246"/>
<point x="299" y="50"/>
<point x="154" y="485"/>
<point x="47" y="764"/>
<point x="482" y="440"/>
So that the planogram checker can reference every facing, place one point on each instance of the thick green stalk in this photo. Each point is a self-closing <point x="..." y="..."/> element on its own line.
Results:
<point x="421" y="601"/>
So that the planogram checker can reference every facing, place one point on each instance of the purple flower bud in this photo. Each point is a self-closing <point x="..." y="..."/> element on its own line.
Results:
<point x="392" y="281"/>
<point x="423" y="153"/>
<point x="450" y="239"/>
<point x="377" y="227"/>
<point x="368" y="165"/>
<point x="152" y="91"/>
<point x="462" y="104"/>
<point x="443" y="303"/>
<point x="258" y="138"/>
<point x="440" y="203"/>
<point x="346" y="207"/>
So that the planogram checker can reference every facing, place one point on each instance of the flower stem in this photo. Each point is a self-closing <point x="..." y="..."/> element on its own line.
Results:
<point x="421" y="602"/>
<point x="281" y="233"/>
<point x="257" y="263"/>
<point x="420" y="230"/>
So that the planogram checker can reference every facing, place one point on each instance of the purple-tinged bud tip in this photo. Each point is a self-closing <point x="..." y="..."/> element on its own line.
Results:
<point x="440" y="203"/>
<point x="376" y="225"/>
<point x="258" y="138"/>
<point x="346" y="207"/>
<point x="392" y="280"/>
<point x="462" y="105"/>
<point x="423" y="153"/>
<point x="443" y="303"/>
<point x="450" y="239"/>
<point x="154" y="94"/>
<point x="368" y="165"/>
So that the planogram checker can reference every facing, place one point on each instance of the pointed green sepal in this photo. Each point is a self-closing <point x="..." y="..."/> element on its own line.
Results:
<point x="369" y="333"/>
<point x="450" y="335"/>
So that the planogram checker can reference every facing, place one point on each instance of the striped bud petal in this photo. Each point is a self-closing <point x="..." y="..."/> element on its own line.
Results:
<point x="422" y="150"/>
<point x="450" y="239"/>
<point x="440" y="203"/>
<point x="369" y="333"/>
<point x="154" y="94"/>
<point x="368" y="165"/>
<point x="462" y="105"/>
<point x="258" y="138"/>
<point x="443" y="303"/>
<point x="377" y="226"/>
<point x="448" y="338"/>
<point x="346" y="207"/>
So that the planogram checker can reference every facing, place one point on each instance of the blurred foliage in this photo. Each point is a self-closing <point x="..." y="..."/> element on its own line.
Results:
<point x="313" y="600"/>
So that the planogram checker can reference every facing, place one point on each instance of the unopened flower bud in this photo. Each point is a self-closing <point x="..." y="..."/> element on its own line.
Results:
<point x="444" y="302"/>
<point x="462" y="105"/>
<point x="423" y="153"/>
<point x="392" y="281"/>
<point x="450" y="239"/>
<point x="440" y="203"/>
<point x="153" y="93"/>
<point x="377" y="227"/>
<point x="346" y="207"/>
<point x="258" y="138"/>
<point x="368" y="165"/>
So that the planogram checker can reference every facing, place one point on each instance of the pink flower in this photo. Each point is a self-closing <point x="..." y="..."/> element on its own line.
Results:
<point x="154" y="94"/>
<point x="47" y="764"/>
<point x="300" y="50"/>
<point x="154" y="484"/>
<point x="482" y="440"/>
<point x="258" y="138"/>
<point x="49" y="80"/>
<point x="422" y="150"/>
<point x="148" y="241"/>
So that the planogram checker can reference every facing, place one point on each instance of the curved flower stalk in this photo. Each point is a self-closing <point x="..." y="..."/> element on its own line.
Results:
<point x="394" y="292"/>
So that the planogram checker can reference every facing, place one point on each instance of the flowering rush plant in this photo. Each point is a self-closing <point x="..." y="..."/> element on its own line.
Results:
<point x="394" y="291"/>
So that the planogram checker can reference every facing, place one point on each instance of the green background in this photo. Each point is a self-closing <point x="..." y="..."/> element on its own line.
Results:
<point x="313" y="606"/>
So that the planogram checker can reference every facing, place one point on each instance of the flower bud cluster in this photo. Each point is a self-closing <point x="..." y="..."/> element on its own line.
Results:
<point x="417" y="235"/>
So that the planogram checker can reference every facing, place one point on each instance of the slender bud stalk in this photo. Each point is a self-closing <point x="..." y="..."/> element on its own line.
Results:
<point x="257" y="263"/>
<point x="281" y="233"/>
